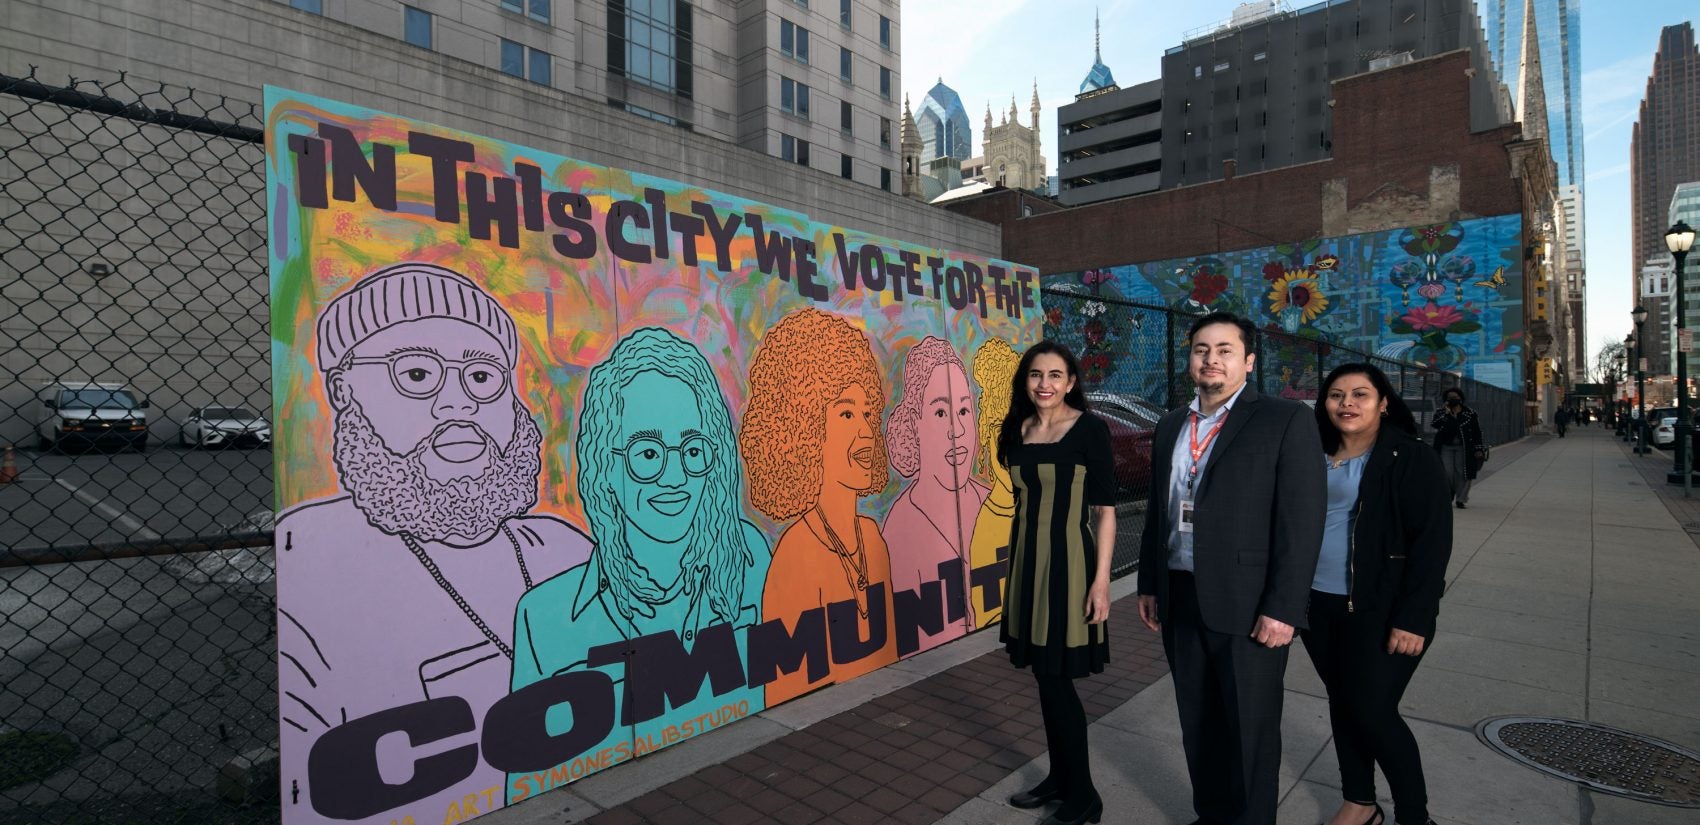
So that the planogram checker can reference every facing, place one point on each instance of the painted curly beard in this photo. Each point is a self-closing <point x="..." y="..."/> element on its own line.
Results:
<point x="398" y="496"/>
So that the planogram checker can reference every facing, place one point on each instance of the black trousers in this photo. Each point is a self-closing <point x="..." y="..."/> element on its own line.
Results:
<point x="1365" y="683"/>
<point x="1228" y="688"/>
<point x="1065" y="736"/>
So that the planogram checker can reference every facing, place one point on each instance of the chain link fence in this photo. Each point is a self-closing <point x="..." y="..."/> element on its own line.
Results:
<point x="136" y="579"/>
<point x="137" y="638"/>
<point x="1133" y="358"/>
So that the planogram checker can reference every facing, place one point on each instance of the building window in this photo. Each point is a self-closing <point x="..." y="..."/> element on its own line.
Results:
<point x="416" y="26"/>
<point x="650" y="42"/>
<point x="1221" y="67"/>
<point x="1259" y="56"/>
<point x="793" y="97"/>
<point x="844" y="167"/>
<point x="844" y="14"/>
<point x="1197" y="72"/>
<point x="793" y="40"/>
<point x="844" y="116"/>
<point x="318" y="6"/>
<point x="885" y="32"/>
<point x="885" y="132"/>
<point x="541" y="67"/>
<point x="844" y="63"/>
<point x="794" y="150"/>
<point x="513" y="58"/>
<point x="885" y="179"/>
<point x="885" y="83"/>
<point x="521" y="61"/>
<point x="535" y="9"/>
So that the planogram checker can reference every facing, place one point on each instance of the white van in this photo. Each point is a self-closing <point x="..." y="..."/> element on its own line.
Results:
<point x="90" y="413"/>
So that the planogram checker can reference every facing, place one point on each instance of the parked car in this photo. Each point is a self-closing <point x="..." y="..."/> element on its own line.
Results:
<point x="220" y="426"/>
<point x="1664" y="431"/>
<point x="1132" y="421"/>
<point x="90" y="414"/>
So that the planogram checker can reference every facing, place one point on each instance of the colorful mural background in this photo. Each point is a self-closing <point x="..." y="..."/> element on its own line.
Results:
<point x="1445" y="295"/>
<point x="717" y="400"/>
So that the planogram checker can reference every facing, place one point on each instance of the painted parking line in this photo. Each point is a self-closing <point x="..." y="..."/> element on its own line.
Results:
<point x="118" y="516"/>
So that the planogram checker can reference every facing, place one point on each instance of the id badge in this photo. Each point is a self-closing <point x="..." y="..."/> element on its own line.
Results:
<point x="1186" y="516"/>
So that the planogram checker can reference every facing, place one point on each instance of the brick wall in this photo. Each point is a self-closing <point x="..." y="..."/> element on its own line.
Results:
<point x="1403" y="154"/>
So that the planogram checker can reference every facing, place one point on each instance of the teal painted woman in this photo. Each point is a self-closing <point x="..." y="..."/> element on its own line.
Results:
<point x="660" y="477"/>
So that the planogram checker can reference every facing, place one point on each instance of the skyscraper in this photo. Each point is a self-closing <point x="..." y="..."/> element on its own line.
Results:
<point x="1558" y="24"/>
<point x="1558" y="32"/>
<point x="1664" y="151"/>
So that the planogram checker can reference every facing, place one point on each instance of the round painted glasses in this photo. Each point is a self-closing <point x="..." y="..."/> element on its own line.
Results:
<point x="646" y="456"/>
<point x="420" y="374"/>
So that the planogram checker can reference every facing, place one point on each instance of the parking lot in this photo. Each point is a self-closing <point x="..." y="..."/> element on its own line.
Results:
<point x="65" y="501"/>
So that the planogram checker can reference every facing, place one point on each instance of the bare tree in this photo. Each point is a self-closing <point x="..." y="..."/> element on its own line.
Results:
<point x="1609" y="363"/>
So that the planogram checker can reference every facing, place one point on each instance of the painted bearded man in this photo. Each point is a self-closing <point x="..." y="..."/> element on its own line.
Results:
<point x="402" y="588"/>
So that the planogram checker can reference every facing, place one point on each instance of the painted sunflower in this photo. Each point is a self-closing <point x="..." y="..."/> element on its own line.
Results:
<point x="1299" y="290"/>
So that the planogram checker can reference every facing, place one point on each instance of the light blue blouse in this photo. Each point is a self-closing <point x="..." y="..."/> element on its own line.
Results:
<point x="1331" y="575"/>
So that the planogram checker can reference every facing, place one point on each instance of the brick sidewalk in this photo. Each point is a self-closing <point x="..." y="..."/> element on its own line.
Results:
<point x="910" y="756"/>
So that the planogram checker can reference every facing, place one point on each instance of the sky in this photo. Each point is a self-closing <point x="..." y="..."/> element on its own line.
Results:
<point x="989" y="50"/>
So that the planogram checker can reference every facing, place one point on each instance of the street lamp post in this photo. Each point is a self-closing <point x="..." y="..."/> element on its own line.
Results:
<point x="1641" y="447"/>
<point x="1679" y="239"/>
<point x="1631" y="434"/>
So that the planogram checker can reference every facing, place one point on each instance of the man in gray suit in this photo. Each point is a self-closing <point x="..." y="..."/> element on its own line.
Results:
<point x="1238" y="497"/>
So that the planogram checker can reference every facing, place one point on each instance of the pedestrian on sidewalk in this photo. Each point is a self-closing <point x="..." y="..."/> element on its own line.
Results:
<point x="1561" y="419"/>
<point x="1459" y="442"/>
<point x="1057" y="597"/>
<point x="1377" y="587"/>
<point x="1234" y="524"/>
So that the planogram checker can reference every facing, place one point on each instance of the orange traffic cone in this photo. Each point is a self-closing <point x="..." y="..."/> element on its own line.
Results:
<point x="8" y="467"/>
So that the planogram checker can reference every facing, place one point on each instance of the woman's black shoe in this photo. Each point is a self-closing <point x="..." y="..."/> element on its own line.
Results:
<point x="1092" y="813"/>
<point x="1379" y="817"/>
<point x="1041" y="793"/>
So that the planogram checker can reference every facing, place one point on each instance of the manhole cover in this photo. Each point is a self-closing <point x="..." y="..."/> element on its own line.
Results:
<point x="1605" y="759"/>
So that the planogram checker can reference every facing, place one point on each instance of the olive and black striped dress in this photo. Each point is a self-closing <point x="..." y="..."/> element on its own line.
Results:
<point x="1052" y="555"/>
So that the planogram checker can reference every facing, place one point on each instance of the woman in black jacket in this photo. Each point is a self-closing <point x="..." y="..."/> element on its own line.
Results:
<point x="1459" y="443"/>
<point x="1377" y="587"/>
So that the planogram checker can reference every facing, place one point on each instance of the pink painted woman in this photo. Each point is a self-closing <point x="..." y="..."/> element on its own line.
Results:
<point x="932" y="439"/>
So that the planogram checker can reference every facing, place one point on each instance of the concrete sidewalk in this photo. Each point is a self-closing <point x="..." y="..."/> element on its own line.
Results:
<point x="1570" y="594"/>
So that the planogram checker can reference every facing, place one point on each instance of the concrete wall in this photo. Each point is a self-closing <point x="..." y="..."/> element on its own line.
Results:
<point x="184" y="317"/>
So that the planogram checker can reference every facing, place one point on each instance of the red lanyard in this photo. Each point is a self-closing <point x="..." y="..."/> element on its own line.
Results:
<point x="1199" y="449"/>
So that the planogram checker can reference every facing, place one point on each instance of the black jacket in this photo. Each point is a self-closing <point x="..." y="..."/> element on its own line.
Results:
<point x="1466" y="429"/>
<point x="1402" y="535"/>
<point x="1261" y="502"/>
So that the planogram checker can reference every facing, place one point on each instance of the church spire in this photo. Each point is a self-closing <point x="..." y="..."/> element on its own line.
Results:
<point x="1531" y="88"/>
<point x="1034" y="107"/>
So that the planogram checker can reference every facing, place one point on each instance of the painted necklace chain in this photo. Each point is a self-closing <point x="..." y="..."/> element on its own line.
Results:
<point x="855" y="567"/>
<point x="431" y="567"/>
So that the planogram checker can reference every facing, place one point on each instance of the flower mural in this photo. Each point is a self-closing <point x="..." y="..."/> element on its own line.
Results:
<point x="1297" y="299"/>
<point x="1432" y="322"/>
<point x="1397" y="293"/>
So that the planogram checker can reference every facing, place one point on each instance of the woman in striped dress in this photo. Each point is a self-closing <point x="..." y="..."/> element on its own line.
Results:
<point x="1058" y="593"/>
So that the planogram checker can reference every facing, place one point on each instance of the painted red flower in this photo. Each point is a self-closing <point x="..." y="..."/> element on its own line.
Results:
<point x="1432" y="316"/>
<point x="1053" y="316"/>
<point x="1273" y="272"/>
<point x="1207" y="287"/>
<point x="1095" y="331"/>
<point x="1431" y="291"/>
<point x="1095" y="365"/>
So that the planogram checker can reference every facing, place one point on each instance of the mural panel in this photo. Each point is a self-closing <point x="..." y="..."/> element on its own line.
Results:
<point x="575" y="463"/>
<point x="1446" y="295"/>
